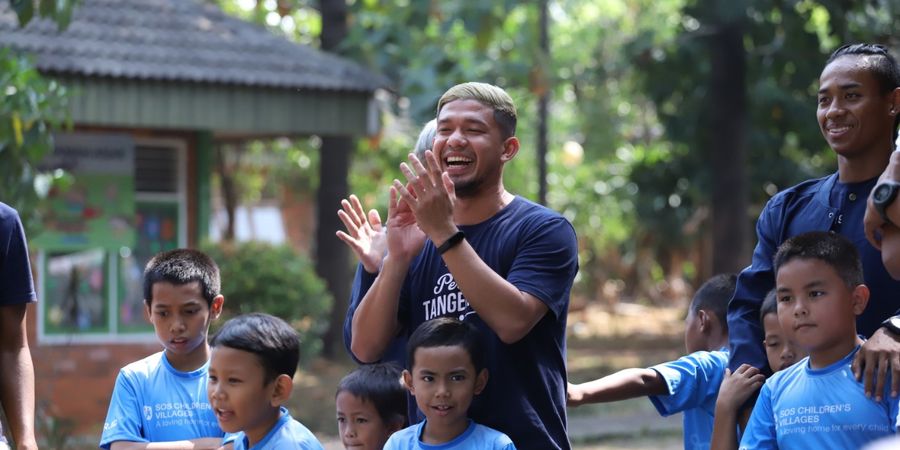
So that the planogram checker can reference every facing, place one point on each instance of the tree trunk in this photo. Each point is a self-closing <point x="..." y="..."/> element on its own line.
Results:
<point x="229" y="192"/>
<point x="725" y="146"/>
<point x="543" y="101"/>
<point x="331" y="254"/>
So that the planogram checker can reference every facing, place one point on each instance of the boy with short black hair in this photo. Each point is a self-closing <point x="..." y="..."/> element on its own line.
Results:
<point x="251" y="369"/>
<point x="371" y="405"/>
<point x="818" y="403"/>
<point x="446" y="370"/>
<point x="689" y="384"/>
<point x="159" y="401"/>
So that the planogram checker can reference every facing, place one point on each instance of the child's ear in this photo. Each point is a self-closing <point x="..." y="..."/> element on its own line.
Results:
<point x="215" y="308"/>
<point x="407" y="381"/>
<point x="703" y="319"/>
<point x="147" y="312"/>
<point x="284" y="385"/>
<point x="481" y="381"/>
<point x="860" y="298"/>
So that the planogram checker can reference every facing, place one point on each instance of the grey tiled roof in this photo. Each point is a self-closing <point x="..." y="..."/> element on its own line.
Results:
<point x="177" y="40"/>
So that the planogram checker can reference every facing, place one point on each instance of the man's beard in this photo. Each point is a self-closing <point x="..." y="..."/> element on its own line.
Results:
<point x="468" y="189"/>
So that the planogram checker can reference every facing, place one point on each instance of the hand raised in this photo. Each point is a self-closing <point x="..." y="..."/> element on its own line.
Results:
<point x="404" y="238"/>
<point x="430" y="196"/>
<point x="364" y="235"/>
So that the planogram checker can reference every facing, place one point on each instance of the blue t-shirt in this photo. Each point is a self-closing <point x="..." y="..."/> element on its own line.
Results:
<point x="693" y="383"/>
<point x="805" y="408"/>
<point x="153" y="402"/>
<point x="16" y="285"/>
<point x="534" y="249"/>
<point x="477" y="437"/>
<point x="287" y="434"/>
<point x="823" y="204"/>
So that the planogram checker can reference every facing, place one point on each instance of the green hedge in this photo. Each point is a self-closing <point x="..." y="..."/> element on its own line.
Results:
<point x="274" y="279"/>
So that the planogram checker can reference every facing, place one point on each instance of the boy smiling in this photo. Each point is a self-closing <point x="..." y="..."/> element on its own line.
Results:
<point x="446" y="370"/>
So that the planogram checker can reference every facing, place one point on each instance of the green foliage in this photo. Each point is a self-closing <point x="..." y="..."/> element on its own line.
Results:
<point x="258" y="277"/>
<point x="32" y="107"/>
<point x="628" y="82"/>
<point x="60" y="11"/>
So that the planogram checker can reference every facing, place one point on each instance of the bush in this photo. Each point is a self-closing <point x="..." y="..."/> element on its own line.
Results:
<point x="274" y="279"/>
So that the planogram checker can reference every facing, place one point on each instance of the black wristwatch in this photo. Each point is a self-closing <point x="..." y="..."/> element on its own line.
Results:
<point x="892" y="324"/>
<point x="883" y="195"/>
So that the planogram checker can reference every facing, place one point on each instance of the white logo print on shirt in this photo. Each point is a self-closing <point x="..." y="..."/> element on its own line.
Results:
<point x="447" y="300"/>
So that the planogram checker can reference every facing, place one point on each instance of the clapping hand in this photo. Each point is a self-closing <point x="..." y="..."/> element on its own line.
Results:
<point x="364" y="235"/>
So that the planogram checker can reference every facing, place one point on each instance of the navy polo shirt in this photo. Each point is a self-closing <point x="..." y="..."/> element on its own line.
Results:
<point x="822" y="204"/>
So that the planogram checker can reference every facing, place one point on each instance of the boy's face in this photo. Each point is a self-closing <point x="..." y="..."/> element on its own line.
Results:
<point x="817" y="309"/>
<point x="239" y="395"/>
<point x="181" y="317"/>
<point x="444" y="381"/>
<point x="469" y="146"/>
<point x="360" y="425"/>
<point x="853" y="114"/>
<point x="780" y="351"/>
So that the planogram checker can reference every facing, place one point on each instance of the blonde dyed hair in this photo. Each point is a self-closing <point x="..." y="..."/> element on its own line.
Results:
<point x="488" y="95"/>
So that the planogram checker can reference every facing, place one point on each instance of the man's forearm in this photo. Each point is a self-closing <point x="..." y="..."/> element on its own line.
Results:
<point x="375" y="319"/>
<point x="17" y="376"/>
<point x="18" y="395"/>
<point x="504" y="308"/>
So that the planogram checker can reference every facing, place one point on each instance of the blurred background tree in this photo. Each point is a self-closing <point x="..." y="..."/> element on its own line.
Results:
<point x="671" y="122"/>
<point x="32" y="107"/>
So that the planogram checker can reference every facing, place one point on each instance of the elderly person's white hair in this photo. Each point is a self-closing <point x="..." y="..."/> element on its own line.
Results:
<point x="426" y="139"/>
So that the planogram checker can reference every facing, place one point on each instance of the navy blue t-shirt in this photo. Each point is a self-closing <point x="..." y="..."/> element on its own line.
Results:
<point x="535" y="249"/>
<point x="16" y="285"/>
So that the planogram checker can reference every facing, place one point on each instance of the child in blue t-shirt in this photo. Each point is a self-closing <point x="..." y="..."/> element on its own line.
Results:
<point x="689" y="384"/>
<point x="818" y="403"/>
<point x="251" y="369"/>
<point x="371" y="405"/>
<point x="446" y="370"/>
<point x="737" y="387"/>
<point x="161" y="398"/>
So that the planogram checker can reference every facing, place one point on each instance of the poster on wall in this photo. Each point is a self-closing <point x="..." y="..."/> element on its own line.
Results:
<point x="98" y="209"/>
<point x="75" y="292"/>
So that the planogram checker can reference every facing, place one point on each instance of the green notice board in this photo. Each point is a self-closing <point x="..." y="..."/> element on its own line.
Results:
<point x="98" y="210"/>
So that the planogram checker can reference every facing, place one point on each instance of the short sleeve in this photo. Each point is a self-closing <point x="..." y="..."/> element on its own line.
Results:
<point x="16" y="284"/>
<point x="123" y="422"/>
<point x="546" y="263"/>
<point x="760" y="432"/>
<point x="692" y="380"/>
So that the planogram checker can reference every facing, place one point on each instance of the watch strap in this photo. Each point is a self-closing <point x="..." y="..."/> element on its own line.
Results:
<point x="882" y="205"/>
<point x="890" y="324"/>
<point x="451" y="242"/>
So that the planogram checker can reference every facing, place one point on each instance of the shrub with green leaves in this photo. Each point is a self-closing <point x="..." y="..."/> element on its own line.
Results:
<point x="274" y="279"/>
